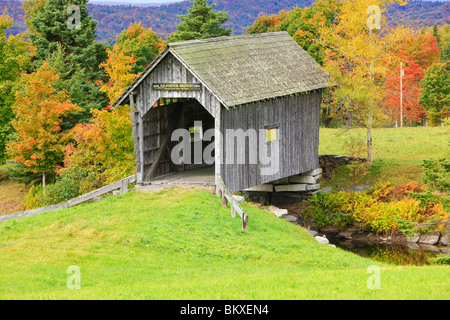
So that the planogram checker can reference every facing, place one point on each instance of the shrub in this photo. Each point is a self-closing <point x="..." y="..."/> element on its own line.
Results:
<point x="440" y="259"/>
<point x="326" y="209"/>
<point x="382" y="209"/>
<point x="427" y="198"/>
<point x="4" y="173"/>
<point x="437" y="174"/>
<point x="65" y="188"/>
<point x="33" y="198"/>
<point x="405" y="226"/>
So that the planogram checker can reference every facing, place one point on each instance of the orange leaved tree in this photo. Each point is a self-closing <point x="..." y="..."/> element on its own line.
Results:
<point x="39" y="109"/>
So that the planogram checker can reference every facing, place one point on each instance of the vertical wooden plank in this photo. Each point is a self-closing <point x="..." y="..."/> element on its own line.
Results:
<point x="140" y="170"/>
<point x="217" y="144"/>
<point x="134" y="126"/>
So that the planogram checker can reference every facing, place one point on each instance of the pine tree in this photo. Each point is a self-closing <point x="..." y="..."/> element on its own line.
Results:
<point x="201" y="22"/>
<point x="56" y="31"/>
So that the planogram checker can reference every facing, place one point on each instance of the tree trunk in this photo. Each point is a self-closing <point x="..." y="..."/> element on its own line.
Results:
<point x="43" y="183"/>
<point x="369" y="140"/>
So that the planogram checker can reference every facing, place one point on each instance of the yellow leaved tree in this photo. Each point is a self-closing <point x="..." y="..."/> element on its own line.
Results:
<point x="358" y="57"/>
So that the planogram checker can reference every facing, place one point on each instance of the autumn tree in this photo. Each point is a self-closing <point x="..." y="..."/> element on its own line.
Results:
<point x="103" y="148"/>
<point x="357" y="59"/>
<point x="415" y="53"/>
<point x="201" y="22"/>
<point x="272" y="23"/>
<point x="141" y="43"/>
<point x="435" y="94"/>
<point x="39" y="109"/>
<point x="302" y="24"/>
<point x="119" y="69"/>
<point x="14" y="58"/>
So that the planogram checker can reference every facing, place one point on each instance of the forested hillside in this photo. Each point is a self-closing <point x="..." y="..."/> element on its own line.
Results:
<point x="163" y="20"/>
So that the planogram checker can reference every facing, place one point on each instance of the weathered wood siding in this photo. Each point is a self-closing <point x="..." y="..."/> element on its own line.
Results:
<point x="298" y="123"/>
<point x="150" y="122"/>
<point x="297" y="119"/>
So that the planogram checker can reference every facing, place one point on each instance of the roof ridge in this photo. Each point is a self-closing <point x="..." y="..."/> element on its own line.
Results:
<point x="225" y="38"/>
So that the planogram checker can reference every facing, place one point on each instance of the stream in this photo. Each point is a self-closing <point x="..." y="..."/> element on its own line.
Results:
<point x="399" y="254"/>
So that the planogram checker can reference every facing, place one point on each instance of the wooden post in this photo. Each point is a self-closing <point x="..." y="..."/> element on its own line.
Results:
<point x="124" y="186"/>
<point x="245" y="221"/>
<point x="233" y="211"/>
<point x="224" y="199"/>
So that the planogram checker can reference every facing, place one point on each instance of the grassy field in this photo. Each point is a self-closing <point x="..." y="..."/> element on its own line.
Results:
<point x="398" y="152"/>
<point x="181" y="244"/>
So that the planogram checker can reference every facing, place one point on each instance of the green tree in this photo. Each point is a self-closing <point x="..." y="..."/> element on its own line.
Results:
<point x="75" y="48"/>
<point x="201" y="22"/>
<point x="446" y="54"/>
<point x="144" y="44"/>
<point x="14" y="57"/>
<point x="435" y="94"/>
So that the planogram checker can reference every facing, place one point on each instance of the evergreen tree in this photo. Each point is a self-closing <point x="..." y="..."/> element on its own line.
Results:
<point x="68" y="42"/>
<point x="435" y="94"/>
<point x="446" y="54"/>
<point x="201" y="22"/>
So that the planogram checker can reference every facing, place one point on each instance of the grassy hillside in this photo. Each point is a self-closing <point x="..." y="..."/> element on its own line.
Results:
<point x="398" y="152"/>
<point x="181" y="244"/>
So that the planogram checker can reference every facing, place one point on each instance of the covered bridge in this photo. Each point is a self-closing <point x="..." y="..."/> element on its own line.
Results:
<point x="259" y="94"/>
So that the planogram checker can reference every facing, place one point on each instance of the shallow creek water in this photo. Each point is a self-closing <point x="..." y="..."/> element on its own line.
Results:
<point x="400" y="254"/>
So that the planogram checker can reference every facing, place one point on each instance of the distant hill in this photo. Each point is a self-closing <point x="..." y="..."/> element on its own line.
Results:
<point x="114" y="18"/>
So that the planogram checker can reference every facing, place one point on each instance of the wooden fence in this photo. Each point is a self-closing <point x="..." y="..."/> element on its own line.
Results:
<point x="122" y="185"/>
<point x="235" y="206"/>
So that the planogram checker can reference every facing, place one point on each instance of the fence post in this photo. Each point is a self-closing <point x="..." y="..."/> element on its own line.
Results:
<point x="224" y="199"/>
<point x="245" y="221"/>
<point x="124" y="186"/>
<point x="233" y="211"/>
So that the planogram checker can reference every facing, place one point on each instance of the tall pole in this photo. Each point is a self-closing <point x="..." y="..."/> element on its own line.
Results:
<point x="401" y="94"/>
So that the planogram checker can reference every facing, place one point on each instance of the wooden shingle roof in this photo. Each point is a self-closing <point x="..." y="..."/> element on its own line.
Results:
<point x="248" y="68"/>
<point x="242" y="69"/>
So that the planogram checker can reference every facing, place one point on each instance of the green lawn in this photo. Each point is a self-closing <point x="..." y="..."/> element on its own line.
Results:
<point x="398" y="152"/>
<point x="181" y="244"/>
